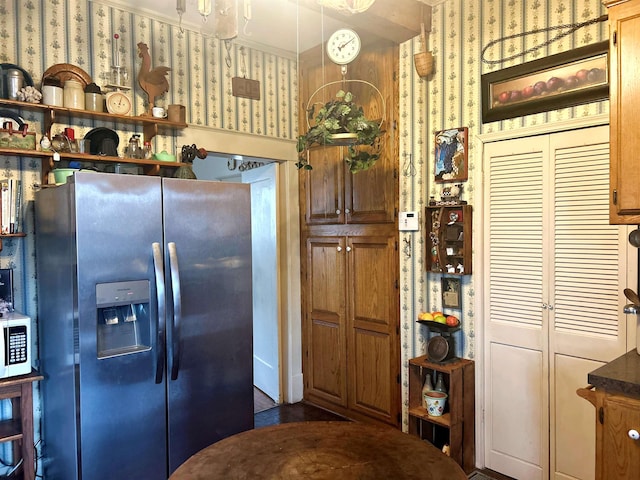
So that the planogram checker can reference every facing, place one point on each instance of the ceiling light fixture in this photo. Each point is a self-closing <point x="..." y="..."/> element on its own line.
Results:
<point x="347" y="7"/>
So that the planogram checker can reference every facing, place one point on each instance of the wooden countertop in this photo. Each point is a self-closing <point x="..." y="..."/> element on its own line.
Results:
<point x="621" y="375"/>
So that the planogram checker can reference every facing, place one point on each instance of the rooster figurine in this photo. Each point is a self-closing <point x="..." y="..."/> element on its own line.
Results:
<point x="152" y="81"/>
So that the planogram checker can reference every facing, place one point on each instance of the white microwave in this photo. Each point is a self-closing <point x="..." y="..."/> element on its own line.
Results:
<point x="15" y="345"/>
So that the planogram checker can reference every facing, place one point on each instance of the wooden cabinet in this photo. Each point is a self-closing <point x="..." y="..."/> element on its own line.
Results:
<point x="350" y="326"/>
<point x="19" y="428"/>
<point x="624" y="94"/>
<point x="349" y="250"/>
<point x="51" y="115"/>
<point x="456" y="427"/>
<point x="617" y="422"/>
<point x="621" y="452"/>
<point x="333" y="195"/>
<point x="449" y="239"/>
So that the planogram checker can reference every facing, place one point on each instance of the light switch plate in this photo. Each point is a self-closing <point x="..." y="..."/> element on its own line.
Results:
<point x="408" y="222"/>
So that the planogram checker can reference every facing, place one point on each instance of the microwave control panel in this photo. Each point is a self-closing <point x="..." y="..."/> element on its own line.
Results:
<point x="16" y="344"/>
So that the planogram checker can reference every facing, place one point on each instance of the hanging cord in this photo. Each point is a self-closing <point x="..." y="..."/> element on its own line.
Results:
<point x="243" y="65"/>
<point x="227" y="57"/>
<point x="572" y="27"/>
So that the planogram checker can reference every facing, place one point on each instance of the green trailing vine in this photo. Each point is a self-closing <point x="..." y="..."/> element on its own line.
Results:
<point x="340" y="116"/>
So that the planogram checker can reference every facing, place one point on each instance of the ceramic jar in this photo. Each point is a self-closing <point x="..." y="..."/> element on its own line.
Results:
<point x="73" y="94"/>
<point x="93" y="98"/>
<point x="52" y="93"/>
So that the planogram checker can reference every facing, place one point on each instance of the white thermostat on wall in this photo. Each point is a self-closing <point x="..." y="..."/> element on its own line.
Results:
<point x="408" y="222"/>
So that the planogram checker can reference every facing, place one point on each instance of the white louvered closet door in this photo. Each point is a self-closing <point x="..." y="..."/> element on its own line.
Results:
<point x="555" y="270"/>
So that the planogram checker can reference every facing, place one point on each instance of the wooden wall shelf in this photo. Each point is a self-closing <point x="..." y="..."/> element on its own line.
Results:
<point x="51" y="115"/>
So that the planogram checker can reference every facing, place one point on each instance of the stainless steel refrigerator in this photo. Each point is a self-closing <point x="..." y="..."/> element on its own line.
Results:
<point x="144" y="320"/>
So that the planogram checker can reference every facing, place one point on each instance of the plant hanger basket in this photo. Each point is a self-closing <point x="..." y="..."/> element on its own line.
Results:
<point x="342" y="122"/>
<point x="345" y="139"/>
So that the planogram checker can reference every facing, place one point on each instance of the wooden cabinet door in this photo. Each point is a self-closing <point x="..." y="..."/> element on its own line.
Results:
<point x="620" y="454"/>
<point x="325" y="359"/>
<point x="373" y="387"/>
<point x="624" y="104"/>
<point x="370" y="195"/>
<point x="333" y="195"/>
<point x="322" y="189"/>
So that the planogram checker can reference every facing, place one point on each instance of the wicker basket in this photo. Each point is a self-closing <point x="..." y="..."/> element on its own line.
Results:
<point x="423" y="60"/>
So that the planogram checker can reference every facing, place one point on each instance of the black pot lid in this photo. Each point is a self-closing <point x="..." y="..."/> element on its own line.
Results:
<point x="104" y="141"/>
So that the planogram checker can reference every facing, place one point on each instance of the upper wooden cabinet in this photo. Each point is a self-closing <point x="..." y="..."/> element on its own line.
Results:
<point x="329" y="193"/>
<point x="333" y="195"/>
<point x="624" y="26"/>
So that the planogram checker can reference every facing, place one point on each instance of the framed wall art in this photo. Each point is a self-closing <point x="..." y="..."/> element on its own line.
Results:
<point x="451" y="150"/>
<point x="451" y="292"/>
<point x="562" y="80"/>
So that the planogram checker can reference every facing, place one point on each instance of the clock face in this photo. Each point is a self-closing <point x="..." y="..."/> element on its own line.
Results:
<point x="118" y="103"/>
<point x="343" y="46"/>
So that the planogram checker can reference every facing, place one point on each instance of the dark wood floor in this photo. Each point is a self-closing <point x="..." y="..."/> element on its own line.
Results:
<point x="296" y="412"/>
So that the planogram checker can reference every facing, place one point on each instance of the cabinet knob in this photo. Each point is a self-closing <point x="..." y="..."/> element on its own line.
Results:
<point x="545" y="306"/>
<point x="338" y="212"/>
<point x="348" y="249"/>
<point x="339" y="249"/>
<point x="346" y="210"/>
<point x="633" y="434"/>
<point x="550" y="307"/>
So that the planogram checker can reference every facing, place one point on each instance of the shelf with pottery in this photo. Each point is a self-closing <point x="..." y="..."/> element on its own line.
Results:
<point x="150" y="125"/>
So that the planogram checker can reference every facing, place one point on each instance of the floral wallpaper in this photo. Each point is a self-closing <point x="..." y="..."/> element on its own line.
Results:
<point x="451" y="97"/>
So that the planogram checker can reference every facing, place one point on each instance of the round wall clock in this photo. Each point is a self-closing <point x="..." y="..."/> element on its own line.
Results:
<point x="118" y="103"/>
<point x="343" y="46"/>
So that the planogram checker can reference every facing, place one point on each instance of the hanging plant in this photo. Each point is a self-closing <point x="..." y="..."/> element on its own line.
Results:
<point x="342" y="122"/>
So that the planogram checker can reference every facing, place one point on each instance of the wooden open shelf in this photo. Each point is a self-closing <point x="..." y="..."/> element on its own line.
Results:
<point x="151" y="126"/>
<point x="456" y="427"/>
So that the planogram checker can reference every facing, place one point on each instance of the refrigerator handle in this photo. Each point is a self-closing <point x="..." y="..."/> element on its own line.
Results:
<point x="158" y="268"/>
<point x="174" y="344"/>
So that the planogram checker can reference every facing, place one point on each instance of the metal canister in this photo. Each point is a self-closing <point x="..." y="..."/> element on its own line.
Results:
<point x="15" y="81"/>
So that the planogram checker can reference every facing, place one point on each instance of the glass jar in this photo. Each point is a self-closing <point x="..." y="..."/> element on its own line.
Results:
<point x="440" y="384"/>
<point x="147" y="150"/>
<point x="73" y="94"/>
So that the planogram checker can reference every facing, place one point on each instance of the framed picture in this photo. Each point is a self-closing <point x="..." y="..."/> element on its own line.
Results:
<point x="451" y="292"/>
<point x="562" y="80"/>
<point x="451" y="155"/>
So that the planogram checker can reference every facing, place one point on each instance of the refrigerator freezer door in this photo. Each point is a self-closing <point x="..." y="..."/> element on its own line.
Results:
<point x="122" y="408"/>
<point x="212" y="395"/>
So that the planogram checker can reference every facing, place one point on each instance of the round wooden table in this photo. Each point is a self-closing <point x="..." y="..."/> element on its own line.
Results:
<point x="319" y="451"/>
